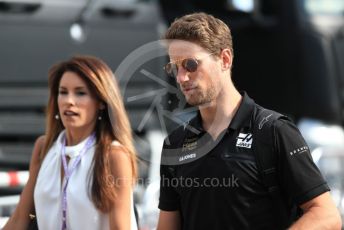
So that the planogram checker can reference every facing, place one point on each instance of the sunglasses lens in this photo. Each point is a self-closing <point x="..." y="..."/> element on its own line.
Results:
<point x="190" y="64"/>
<point x="171" y="69"/>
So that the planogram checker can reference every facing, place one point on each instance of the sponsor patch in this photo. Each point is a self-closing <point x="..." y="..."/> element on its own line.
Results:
<point x="188" y="156"/>
<point x="244" y="140"/>
<point x="299" y="150"/>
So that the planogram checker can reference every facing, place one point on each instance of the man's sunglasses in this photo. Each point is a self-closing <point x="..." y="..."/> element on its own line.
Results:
<point x="189" y="64"/>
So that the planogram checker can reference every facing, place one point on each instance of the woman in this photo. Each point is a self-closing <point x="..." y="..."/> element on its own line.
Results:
<point x="83" y="170"/>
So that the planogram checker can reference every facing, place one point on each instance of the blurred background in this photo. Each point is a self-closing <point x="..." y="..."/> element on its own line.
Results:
<point x="288" y="56"/>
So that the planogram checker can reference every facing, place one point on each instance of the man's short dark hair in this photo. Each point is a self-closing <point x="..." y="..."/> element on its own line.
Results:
<point x="203" y="29"/>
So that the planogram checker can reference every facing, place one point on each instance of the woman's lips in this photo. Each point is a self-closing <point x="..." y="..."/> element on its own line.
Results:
<point x="70" y="113"/>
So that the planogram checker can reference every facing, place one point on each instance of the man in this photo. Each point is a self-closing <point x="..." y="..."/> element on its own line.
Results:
<point x="210" y="178"/>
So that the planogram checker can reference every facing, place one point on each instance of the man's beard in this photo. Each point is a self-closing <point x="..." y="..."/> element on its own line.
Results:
<point x="202" y="97"/>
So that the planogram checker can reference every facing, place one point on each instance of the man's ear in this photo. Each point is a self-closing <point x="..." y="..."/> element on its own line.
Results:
<point x="226" y="58"/>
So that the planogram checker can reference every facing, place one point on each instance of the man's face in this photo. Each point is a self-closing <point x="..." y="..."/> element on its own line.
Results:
<point x="200" y="84"/>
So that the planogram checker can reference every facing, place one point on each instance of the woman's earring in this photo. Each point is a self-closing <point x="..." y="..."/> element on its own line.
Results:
<point x="100" y="117"/>
<point x="57" y="117"/>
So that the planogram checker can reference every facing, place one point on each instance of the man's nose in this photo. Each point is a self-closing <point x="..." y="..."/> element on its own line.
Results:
<point x="182" y="75"/>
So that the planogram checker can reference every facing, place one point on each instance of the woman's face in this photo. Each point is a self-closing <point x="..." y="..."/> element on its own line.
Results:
<point x="77" y="105"/>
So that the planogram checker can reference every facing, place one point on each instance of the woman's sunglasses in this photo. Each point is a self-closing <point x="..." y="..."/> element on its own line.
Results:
<point x="189" y="64"/>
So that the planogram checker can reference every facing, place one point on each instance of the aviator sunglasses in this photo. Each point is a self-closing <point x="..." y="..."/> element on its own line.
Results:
<point x="189" y="64"/>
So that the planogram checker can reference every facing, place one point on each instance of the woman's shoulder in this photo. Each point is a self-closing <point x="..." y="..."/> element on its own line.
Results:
<point x="40" y="140"/>
<point x="118" y="152"/>
<point x="36" y="153"/>
<point x="117" y="148"/>
<point x="120" y="161"/>
<point x="39" y="144"/>
<point x="116" y="143"/>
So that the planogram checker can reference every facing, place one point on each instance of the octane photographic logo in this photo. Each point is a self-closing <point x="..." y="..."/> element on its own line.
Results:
<point x="144" y="84"/>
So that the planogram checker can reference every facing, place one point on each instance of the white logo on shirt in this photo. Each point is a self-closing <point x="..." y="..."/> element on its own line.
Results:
<point x="244" y="140"/>
<point x="299" y="150"/>
<point x="188" y="156"/>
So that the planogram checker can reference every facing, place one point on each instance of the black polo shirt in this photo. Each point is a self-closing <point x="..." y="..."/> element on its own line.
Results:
<point x="215" y="184"/>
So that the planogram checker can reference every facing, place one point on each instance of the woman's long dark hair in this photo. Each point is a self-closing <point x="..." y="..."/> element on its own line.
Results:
<point x="113" y="126"/>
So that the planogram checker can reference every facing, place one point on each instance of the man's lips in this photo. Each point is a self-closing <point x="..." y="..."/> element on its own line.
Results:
<point x="188" y="88"/>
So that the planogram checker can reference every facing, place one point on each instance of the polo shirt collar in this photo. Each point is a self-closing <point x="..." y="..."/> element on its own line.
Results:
<point x="244" y="113"/>
<point x="241" y="118"/>
<point x="196" y="122"/>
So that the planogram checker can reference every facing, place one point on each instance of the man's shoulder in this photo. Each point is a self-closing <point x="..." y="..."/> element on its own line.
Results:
<point x="266" y="122"/>
<point x="264" y="116"/>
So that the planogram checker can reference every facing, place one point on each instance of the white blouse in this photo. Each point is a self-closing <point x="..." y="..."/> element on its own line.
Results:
<point x="81" y="212"/>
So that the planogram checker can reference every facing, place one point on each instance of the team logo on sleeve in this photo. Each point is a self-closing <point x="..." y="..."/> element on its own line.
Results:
<point x="299" y="150"/>
<point x="244" y="140"/>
